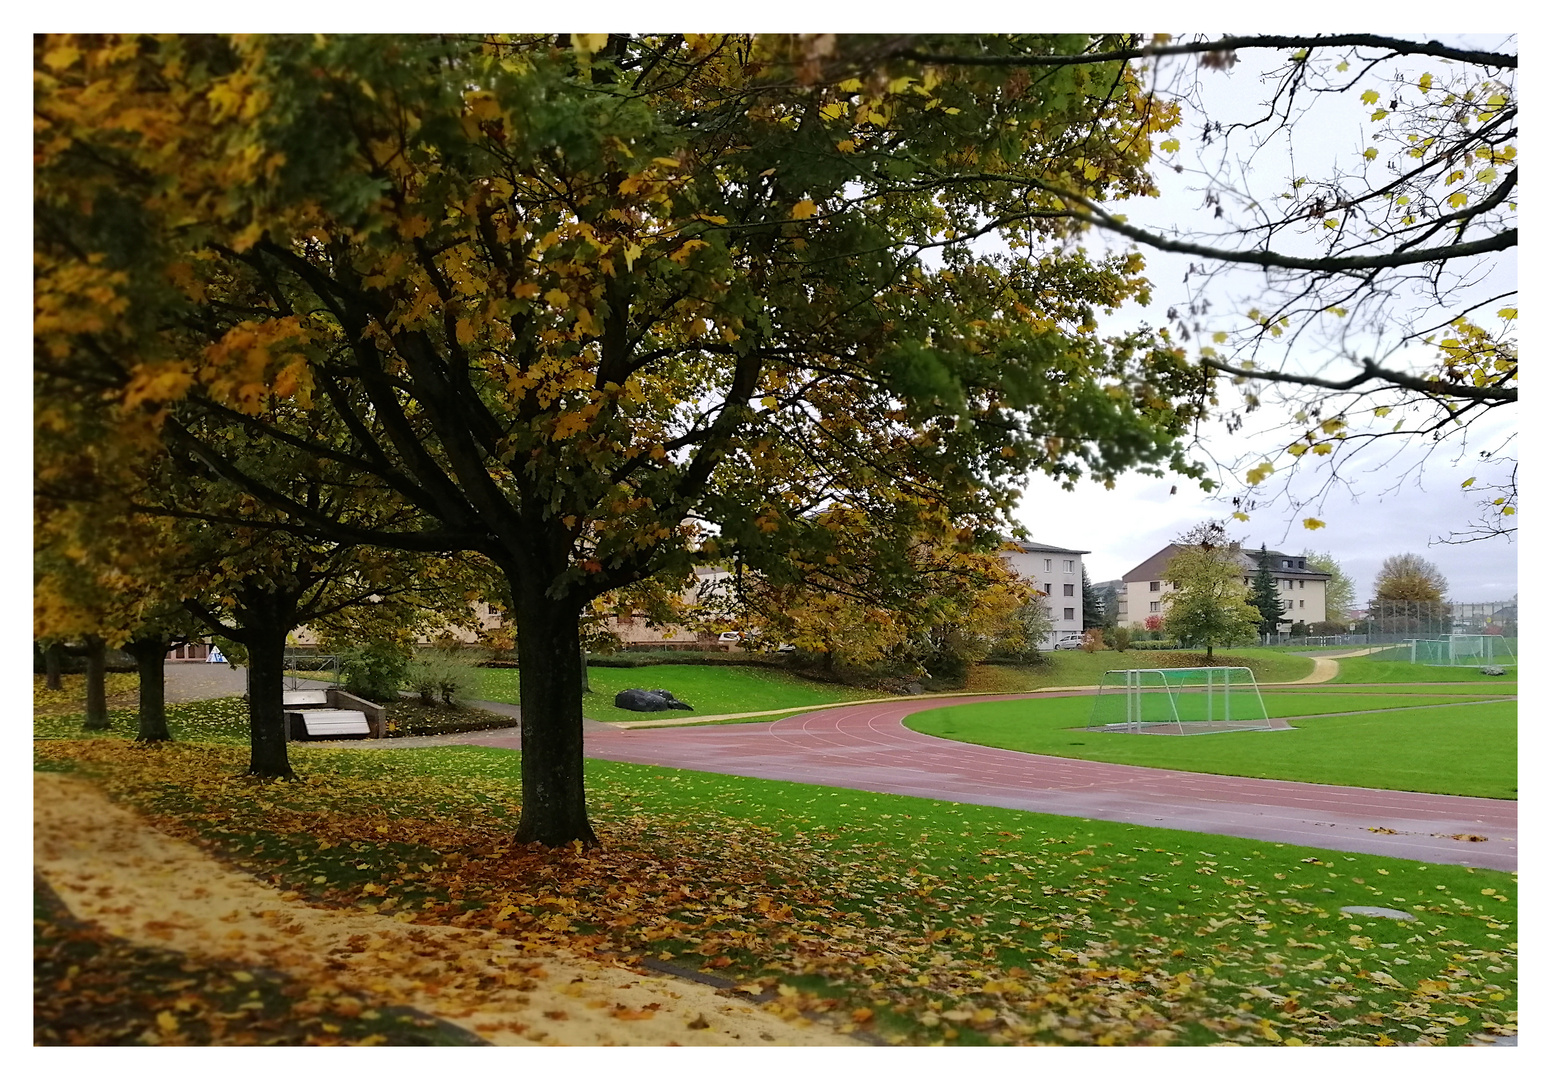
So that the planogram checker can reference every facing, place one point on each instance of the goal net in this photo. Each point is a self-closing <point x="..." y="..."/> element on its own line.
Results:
<point x="1179" y="701"/>
<point x="1463" y="650"/>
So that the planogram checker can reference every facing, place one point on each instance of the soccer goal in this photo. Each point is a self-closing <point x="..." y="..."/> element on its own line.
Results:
<point x="1179" y="701"/>
<point x="1463" y="650"/>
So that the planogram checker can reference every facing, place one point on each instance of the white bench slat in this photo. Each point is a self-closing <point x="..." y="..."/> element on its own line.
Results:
<point x="335" y="722"/>
<point x="306" y="697"/>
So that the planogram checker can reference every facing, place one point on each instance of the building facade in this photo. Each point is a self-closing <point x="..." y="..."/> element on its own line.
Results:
<point x="1057" y="573"/>
<point x="1144" y="593"/>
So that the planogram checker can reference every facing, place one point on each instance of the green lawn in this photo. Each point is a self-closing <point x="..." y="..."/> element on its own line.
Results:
<point x="712" y="690"/>
<point x="921" y="921"/>
<point x="1077" y="668"/>
<point x="1457" y="750"/>
<point x="1360" y="669"/>
<point x="1495" y="688"/>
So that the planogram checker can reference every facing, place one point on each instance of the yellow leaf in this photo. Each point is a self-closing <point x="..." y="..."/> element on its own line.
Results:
<point x="805" y="208"/>
<point x="465" y="332"/>
<point x="1486" y="174"/>
<point x="1259" y="473"/>
<point x="1239" y="515"/>
<point x="589" y="43"/>
<point x="1467" y="483"/>
<point x="1313" y="523"/>
<point x="527" y="290"/>
<point x="1425" y="83"/>
<point x="1370" y="96"/>
<point x="1220" y="336"/>
<point x="61" y="57"/>
<point x="1168" y="146"/>
<point x="1371" y="153"/>
<point x="1458" y="199"/>
<point x="167" y="1022"/>
<point x="1508" y="313"/>
<point x="557" y="298"/>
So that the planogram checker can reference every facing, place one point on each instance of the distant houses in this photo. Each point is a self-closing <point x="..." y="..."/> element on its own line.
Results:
<point x="1057" y="573"/>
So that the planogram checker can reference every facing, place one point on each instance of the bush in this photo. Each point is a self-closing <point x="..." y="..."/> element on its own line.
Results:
<point x="1120" y="638"/>
<point x="1165" y="643"/>
<point x="375" y="671"/>
<point x="1092" y="640"/>
<point x="1328" y="629"/>
<point x="442" y="674"/>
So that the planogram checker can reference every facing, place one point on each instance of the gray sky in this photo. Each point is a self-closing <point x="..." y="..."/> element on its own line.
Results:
<point x="1390" y="504"/>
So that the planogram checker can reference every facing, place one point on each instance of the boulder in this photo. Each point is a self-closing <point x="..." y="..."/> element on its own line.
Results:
<point x="1493" y="671"/>
<point x="648" y="700"/>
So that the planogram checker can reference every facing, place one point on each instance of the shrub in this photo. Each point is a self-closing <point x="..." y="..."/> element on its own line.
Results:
<point x="1154" y="623"/>
<point x="375" y="671"/>
<point x="1092" y="639"/>
<point x="1164" y="643"/>
<point x="440" y="673"/>
<point x="1120" y="638"/>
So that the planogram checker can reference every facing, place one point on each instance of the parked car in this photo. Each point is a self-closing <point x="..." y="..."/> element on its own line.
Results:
<point x="729" y="637"/>
<point x="1071" y="641"/>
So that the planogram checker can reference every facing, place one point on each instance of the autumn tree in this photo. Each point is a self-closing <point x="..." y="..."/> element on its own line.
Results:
<point x="585" y="303"/>
<point x="1340" y="591"/>
<point x="1208" y="605"/>
<point x="1409" y="577"/>
<point x="1263" y="596"/>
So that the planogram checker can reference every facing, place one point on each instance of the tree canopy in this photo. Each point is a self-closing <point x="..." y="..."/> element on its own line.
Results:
<point x="596" y="307"/>
<point x="1409" y="577"/>
<point x="1209" y="605"/>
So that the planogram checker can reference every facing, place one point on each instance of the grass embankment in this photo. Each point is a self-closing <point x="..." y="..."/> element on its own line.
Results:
<point x="1078" y="668"/>
<point x="918" y="920"/>
<point x="122" y="688"/>
<point x="1361" y="669"/>
<point x="1461" y="749"/>
<point x="711" y="690"/>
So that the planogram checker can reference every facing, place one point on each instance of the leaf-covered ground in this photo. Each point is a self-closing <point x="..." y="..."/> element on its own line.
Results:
<point x="1459" y="749"/>
<point x="918" y="921"/>
<point x="123" y="689"/>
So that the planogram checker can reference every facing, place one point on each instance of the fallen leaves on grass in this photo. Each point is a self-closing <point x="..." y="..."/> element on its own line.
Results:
<point x="1021" y="940"/>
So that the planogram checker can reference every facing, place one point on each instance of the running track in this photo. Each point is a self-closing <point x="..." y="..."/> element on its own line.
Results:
<point x="866" y="747"/>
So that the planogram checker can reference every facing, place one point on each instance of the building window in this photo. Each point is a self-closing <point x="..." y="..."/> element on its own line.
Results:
<point x="1286" y="605"/>
<point x="1070" y="564"/>
<point x="1068" y="613"/>
<point x="1067" y="590"/>
<point x="1152" y="586"/>
<point x="1300" y="583"/>
<point x="1050" y="590"/>
<point x="1300" y="603"/>
<point x="1047" y="566"/>
<point x="1154" y="606"/>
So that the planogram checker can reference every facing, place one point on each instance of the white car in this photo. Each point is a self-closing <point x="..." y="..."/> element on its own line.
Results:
<point x="1071" y="642"/>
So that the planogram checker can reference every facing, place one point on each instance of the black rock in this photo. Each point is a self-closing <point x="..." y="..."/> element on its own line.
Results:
<point x="648" y="700"/>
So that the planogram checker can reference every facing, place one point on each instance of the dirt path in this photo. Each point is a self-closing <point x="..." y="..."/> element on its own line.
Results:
<point x="112" y="868"/>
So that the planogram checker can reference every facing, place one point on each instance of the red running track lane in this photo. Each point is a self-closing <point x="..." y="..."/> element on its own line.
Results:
<point x="866" y="747"/>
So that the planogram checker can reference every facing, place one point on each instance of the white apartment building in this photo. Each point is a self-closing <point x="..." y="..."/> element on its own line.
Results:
<point x="1056" y="572"/>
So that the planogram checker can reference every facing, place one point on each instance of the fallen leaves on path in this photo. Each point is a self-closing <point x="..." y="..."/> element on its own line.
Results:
<point x="154" y="892"/>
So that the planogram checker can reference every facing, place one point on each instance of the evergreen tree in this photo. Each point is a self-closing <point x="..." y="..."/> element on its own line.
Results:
<point x="1093" y="611"/>
<point x="1263" y="596"/>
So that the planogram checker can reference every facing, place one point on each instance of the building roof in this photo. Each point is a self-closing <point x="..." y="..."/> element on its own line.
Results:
<point x="1030" y="545"/>
<point x="1151" y="569"/>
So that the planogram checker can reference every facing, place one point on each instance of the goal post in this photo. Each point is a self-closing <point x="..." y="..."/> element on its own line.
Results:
<point x="1463" y="650"/>
<point x="1178" y="701"/>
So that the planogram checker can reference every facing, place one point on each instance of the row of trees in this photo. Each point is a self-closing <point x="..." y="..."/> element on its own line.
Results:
<point x="586" y="310"/>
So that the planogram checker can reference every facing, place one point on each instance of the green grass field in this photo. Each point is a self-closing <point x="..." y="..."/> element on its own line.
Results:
<point x="1077" y="668"/>
<point x="1360" y="669"/>
<point x="712" y="690"/>
<point x="1455" y="750"/>
<point x="923" y="921"/>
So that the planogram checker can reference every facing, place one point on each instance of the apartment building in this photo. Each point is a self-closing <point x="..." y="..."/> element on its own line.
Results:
<point x="1144" y="593"/>
<point x="1056" y="572"/>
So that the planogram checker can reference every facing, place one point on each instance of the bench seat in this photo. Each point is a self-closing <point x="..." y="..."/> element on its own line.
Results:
<point x="331" y="723"/>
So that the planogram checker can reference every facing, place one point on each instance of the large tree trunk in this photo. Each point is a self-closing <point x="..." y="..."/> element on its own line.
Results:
<point x="96" y="684"/>
<point x="150" y="655"/>
<point x="266" y="699"/>
<point x="554" y="802"/>
<point x="53" y="666"/>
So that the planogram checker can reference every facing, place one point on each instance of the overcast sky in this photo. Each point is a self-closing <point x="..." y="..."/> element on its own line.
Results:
<point x="1391" y="504"/>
